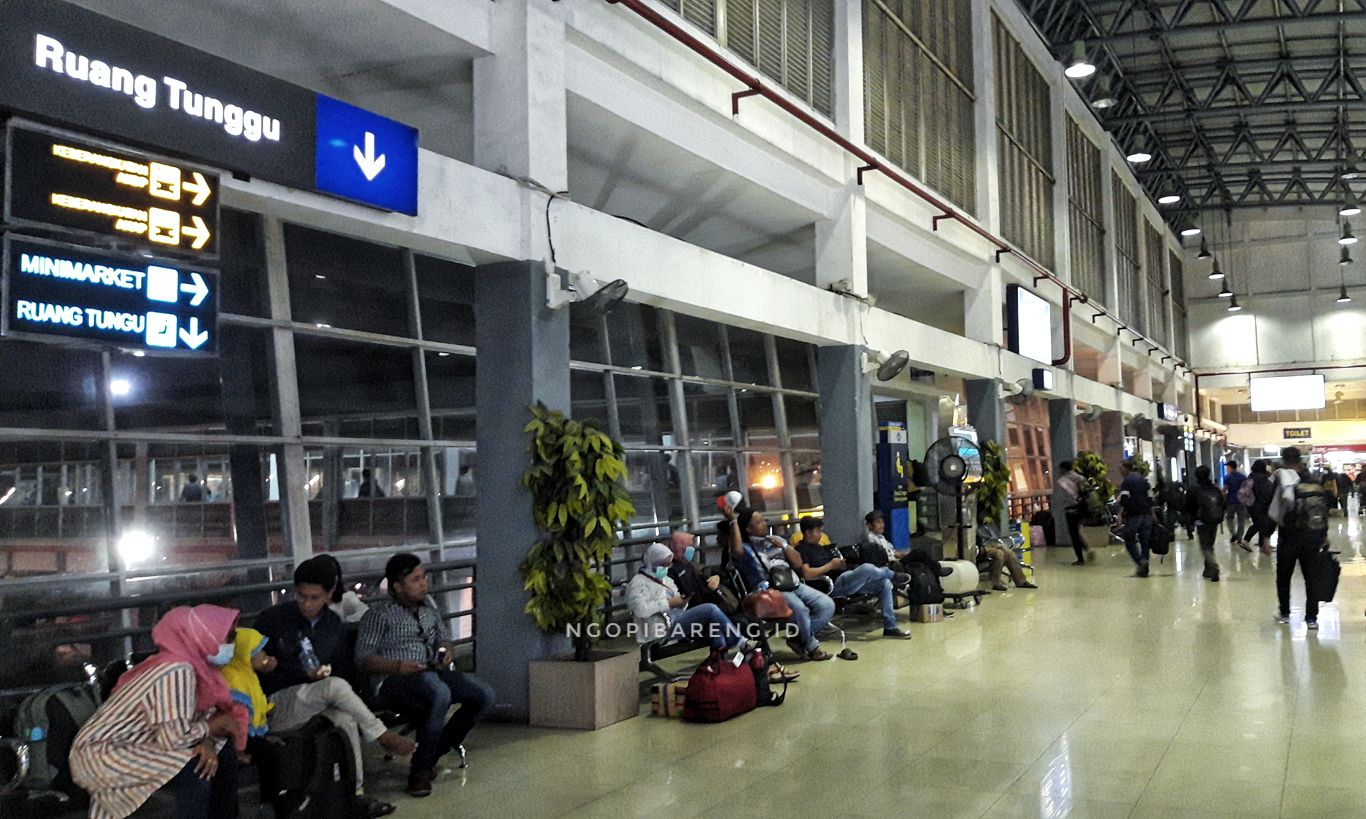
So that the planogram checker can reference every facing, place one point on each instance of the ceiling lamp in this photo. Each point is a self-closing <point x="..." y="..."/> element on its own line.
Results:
<point x="1350" y="171"/>
<point x="1139" y="156"/>
<point x="1104" y="97"/>
<point x="1225" y="293"/>
<point x="1234" y="306"/>
<point x="1204" y="249"/>
<point x="1343" y="298"/>
<point x="1080" y="68"/>
<point x="1350" y="207"/>
<point x="1346" y="257"/>
<point x="1347" y="237"/>
<point x="1169" y="199"/>
<point x="1190" y="231"/>
<point x="1215" y="272"/>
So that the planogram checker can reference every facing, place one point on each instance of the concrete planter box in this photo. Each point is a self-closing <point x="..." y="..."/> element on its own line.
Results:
<point x="1096" y="537"/>
<point x="588" y="695"/>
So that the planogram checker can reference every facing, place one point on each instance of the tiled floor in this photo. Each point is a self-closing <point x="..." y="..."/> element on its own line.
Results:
<point x="1097" y="695"/>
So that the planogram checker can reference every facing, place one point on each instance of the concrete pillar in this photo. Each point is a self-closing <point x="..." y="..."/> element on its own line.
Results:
<point x="523" y="358"/>
<point x="984" y="309"/>
<point x="1112" y="442"/>
<point x="1062" y="443"/>
<point x="988" y="151"/>
<point x="842" y="238"/>
<point x="987" y="414"/>
<point x="847" y="445"/>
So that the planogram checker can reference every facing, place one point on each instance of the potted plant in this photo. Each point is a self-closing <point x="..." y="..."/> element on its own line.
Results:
<point x="1090" y="466"/>
<point x="995" y="486"/>
<point x="579" y="502"/>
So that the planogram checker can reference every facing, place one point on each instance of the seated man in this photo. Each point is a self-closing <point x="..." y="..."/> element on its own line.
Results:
<point x="404" y="645"/>
<point x="753" y="549"/>
<point x="299" y="692"/>
<point x="865" y="578"/>
<point x="877" y="536"/>
<point x="1003" y="557"/>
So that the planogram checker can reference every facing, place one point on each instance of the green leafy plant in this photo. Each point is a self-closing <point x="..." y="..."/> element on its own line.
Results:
<point x="579" y="503"/>
<point x="1090" y="466"/>
<point x="995" y="485"/>
<point x="1142" y="467"/>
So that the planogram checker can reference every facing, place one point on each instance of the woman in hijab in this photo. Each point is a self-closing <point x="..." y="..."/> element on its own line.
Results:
<point x="661" y="613"/>
<point x="166" y="724"/>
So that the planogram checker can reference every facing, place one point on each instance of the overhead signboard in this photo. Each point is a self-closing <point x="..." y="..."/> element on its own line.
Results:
<point x="1297" y="433"/>
<point x="62" y="62"/>
<point x="1289" y="392"/>
<point x="61" y="292"/>
<point x="62" y="180"/>
<point x="1029" y="324"/>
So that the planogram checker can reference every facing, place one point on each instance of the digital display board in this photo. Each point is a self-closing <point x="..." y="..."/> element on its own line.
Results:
<point x="1029" y="324"/>
<point x="1287" y="392"/>
<point x="61" y="292"/>
<point x="63" y="180"/>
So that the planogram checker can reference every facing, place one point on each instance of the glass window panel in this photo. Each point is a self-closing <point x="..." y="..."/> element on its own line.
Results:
<point x="747" y="356"/>
<point x="365" y="390"/>
<point x="806" y="467"/>
<point x="708" y="416"/>
<point x="343" y="282"/>
<point x="585" y="341"/>
<point x="765" y="491"/>
<point x="715" y="472"/>
<point x="653" y="481"/>
<point x="699" y="347"/>
<point x="756" y="413"/>
<point x="450" y="389"/>
<point x="445" y="293"/>
<point x="643" y="409"/>
<point x="588" y="396"/>
<point x="803" y="421"/>
<point x="633" y="331"/>
<point x="242" y="284"/>
<point x="456" y="469"/>
<point x="48" y="387"/>
<point x="794" y="364"/>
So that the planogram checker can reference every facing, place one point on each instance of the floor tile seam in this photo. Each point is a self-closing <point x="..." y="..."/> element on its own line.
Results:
<point x="1168" y="749"/>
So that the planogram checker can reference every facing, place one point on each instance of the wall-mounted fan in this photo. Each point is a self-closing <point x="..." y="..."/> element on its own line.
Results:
<point x="955" y="466"/>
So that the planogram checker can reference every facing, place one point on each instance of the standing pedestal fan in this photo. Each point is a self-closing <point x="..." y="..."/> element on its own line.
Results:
<point x="955" y="466"/>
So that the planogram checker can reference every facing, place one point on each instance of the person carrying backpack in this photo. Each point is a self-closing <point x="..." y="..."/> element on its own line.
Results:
<point x="1206" y="506"/>
<point x="1074" y="488"/>
<point x="1300" y="507"/>
<point x="1236" y="513"/>
<point x="1136" y="506"/>
<point x="1176" y="498"/>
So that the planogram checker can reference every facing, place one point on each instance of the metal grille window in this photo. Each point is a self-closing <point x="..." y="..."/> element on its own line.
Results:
<point x="1157" y="291"/>
<point x="1129" y="299"/>
<point x="701" y="13"/>
<point x="1026" y="165"/>
<point x="917" y="91"/>
<point x="1178" y="295"/>
<point x="789" y="41"/>
<point x="1087" y="223"/>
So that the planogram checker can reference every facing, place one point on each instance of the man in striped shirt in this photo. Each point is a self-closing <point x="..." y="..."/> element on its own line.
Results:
<point x="404" y="646"/>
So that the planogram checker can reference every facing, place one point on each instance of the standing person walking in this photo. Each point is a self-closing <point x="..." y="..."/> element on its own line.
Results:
<point x="1136" y="515"/>
<point x="1236" y="514"/>
<point x="1206" y="507"/>
<point x="1263" y="490"/>
<point x="1300" y="507"/>
<point x="1073" y="487"/>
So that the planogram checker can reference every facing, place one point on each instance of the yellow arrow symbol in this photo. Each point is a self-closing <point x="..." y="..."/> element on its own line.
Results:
<point x="200" y="231"/>
<point x="199" y="187"/>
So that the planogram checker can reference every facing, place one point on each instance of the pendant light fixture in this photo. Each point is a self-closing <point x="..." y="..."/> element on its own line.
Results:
<point x="1214" y="271"/>
<point x="1347" y="237"/>
<point x="1190" y="231"/>
<point x="1350" y="206"/>
<point x="1343" y="298"/>
<point x="1204" y="250"/>
<point x="1079" y="68"/>
<point x="1346" y="257"/>
<point x="1139" y="154"/>
<point x="1225" y="293"/>
<point x="1104" y="97"/>
<point x="1234" y="306"/>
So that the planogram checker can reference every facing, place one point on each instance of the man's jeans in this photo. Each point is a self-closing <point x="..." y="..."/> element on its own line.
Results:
<point x="425" y="697"/>
<point x="706" y="620"/>
<point x="1135" y="533"/>
<point x="866" y="578"/>
<point x="811" y="612"/>
<point x="214" y="798"/>
<point x="1235" y="517"/>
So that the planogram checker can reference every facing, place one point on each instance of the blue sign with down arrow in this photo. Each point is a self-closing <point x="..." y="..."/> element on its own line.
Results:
<point x="61" y="292"/>
<point x="366" y="157"/>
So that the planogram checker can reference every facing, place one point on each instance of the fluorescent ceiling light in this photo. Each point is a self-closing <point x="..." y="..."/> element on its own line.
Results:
<point x="1191" y="231"/>
<point x="1169" y="199"/>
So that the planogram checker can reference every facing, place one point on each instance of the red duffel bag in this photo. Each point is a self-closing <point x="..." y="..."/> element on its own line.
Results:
<point x="718" y="690"/>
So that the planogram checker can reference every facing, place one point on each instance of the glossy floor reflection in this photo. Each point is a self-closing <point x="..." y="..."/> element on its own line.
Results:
<point x="1097" y="695"/>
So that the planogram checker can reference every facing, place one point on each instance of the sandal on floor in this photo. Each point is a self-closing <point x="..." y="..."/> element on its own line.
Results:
<point x="778" y="674"/>
<point x="847" y="654"/>
<point x="371" y="807"/>
<point x="819" y="655"/>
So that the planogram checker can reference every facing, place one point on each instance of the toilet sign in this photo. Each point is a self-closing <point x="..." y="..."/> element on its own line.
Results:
<point x="61" y="292"/>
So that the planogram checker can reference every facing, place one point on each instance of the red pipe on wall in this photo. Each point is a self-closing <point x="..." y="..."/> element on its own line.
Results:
<point x="756" y="87"/>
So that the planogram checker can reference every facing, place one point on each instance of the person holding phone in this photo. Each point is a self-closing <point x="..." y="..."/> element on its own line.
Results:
<point x="406" y="649"/>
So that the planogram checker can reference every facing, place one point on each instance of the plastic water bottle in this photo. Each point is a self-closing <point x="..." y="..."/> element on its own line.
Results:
<point x="308" y="658"/>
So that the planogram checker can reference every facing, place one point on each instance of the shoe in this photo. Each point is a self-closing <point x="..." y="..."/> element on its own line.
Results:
<point x="1282" y="618"/>
<point x="1079" y="563"/>
<point x="899" y="633"/>
<point x="999" y="587"/>
<point x="795" y="645"/>
<point x="1142" y="570"/>
<point x="372" y="808"/>
<point x="1312" y="625"/>
<point x="419" y="783"/>
<point x="1026" y="585"/>
<point x="820" y="656"/>
<point x="1214" y="578"/>
<point x="1245" y="546"/>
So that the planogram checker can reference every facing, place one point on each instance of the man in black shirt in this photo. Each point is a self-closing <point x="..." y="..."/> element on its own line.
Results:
<point x="301" y="686"/>
<point x="865" y="578"/>
<point x="1136" y="510"/>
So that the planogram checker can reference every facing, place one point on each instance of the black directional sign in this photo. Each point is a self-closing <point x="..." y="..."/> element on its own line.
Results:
<point x="56" y="291"/>
<point x="67" y="181"/>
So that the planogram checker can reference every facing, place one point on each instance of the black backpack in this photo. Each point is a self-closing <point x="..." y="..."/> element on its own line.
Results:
<point x="1326" y="576"/>
<point x="48" y="722"/>
<point x="309" y="773"/>
<point x="1160" y="538"/>
<point x="1210" y="503"/>
<point x="1310" y="511"/>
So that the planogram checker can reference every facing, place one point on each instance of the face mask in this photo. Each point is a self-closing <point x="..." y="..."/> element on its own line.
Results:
<point x="224" y="655"/>
<point x="689" y="553"/>
<point x="661" y="572"/>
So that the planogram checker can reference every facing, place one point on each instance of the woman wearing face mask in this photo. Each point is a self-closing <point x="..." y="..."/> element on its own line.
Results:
<point x="661" y="613"/>
<point x="167" y="723"/>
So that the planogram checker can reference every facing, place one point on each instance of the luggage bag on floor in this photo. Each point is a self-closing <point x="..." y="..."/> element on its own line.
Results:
<point x="718" y="690"/>
<point x="309" y="773"/>
<point x="1326" y="573"/>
